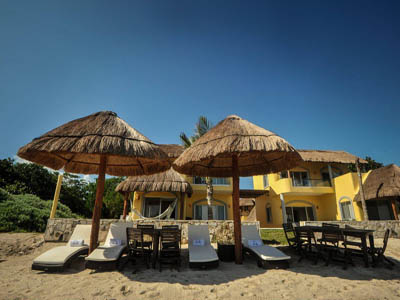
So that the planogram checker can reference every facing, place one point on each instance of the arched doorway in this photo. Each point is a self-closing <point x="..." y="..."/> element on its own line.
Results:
<point x="300" y="210"/>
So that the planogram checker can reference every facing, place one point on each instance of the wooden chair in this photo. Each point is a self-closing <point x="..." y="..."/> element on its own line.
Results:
<point x="377" y="253"/>
<point x="170" y="247"/>
<point x="136" y="245"/>
<point x="307" y="245"/>
<point x="290" y="234"/>
<point x="148" y="230"/>
<point x="331" y="237"/>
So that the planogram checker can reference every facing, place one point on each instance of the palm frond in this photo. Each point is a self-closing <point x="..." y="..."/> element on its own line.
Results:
<point x="186" y="142"/>
<point x="202" y="126"/>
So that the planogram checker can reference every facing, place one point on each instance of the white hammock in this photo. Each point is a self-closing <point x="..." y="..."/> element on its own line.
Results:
<point x="167" y="213"/>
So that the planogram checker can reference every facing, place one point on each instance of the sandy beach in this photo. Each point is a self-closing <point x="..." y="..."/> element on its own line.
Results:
<point x="301" y="281"/>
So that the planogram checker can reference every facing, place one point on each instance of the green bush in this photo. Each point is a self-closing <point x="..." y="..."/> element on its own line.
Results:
<point x="27" y="212"/>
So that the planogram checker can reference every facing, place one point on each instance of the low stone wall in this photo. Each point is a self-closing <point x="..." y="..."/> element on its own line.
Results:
<point x="60" y="230"/>
<point x="379" y="226"/>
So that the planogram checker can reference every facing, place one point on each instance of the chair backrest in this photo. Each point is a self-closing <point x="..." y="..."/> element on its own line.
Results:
<point x="289" y="230"/>
<point x="385" y="240"/>
<point x="117" y="231"/>
<point x="198" y="232"/>
<point x="134" y="237"/>
<point x="250" y="232"/>
<point x="81" y="232"/>
<point x="303" y="234"/>
<point x="332" y="234"/>
<point x="330" y="225"/>
<point x="170" y="237"/>
<point x="170" y="227"/>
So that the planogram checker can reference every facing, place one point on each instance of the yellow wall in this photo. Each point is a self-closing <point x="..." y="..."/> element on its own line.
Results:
<point x="197" y="195"/>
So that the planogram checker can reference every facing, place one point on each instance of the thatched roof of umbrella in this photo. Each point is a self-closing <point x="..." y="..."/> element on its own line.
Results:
<point x="382" y="183"/>
<point x="76" y="146"/>
<point x="169" y="181"/>
<point x="172" y="150"/>
<point x="259" y="151"/>
<point x="329" y="156"/>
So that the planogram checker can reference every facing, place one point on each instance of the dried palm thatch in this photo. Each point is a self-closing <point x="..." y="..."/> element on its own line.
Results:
<point x="328" y="156"/>
<point x="172" y="150"/>
<point x="77" y="145"/>
<point x="382" y="183"/>
<point x="169" y="181"/>
<point x="259" y="151"/>
<point x="247" y="202"/>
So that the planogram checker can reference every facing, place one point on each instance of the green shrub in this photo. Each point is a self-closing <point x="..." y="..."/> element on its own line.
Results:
<point x="27" y="212"/>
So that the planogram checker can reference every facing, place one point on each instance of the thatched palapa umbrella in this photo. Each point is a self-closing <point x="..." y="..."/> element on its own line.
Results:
<point x="382" y="184"/>
<point x="233" y="148"/>
<point x="100" y="143"/>
<point x="169" y="181"/>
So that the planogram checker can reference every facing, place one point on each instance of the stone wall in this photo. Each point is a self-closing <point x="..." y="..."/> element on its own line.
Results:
<point x="379" y="226"/>
<point x="60" y="229"/>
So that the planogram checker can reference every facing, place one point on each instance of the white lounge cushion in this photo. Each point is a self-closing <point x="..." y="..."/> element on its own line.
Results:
<point x="265" y="252"/>
<point x="76" y="243"/>
<point x="58" y="255"/>
<point x="111" y="251"/>
<point x="204" y="253"/>
<point x="106" y="253"/>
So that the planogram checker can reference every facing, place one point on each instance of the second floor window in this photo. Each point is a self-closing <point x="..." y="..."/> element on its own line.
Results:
<point x="300" y="178"/>
<point x="215" y="180"/>
<point x="265" y="181"/>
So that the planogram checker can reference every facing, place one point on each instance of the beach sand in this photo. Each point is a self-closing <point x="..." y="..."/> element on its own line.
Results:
<point x="229" y="281"/>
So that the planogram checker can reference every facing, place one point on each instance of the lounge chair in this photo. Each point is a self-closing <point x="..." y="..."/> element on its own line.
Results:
<point x="201" y="252"/>
<point x="267" y="256"/>
<point x="58" y="258"/>
<point x="107" y="256"/>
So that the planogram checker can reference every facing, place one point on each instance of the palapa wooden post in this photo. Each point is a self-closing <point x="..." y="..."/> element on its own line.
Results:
<point x="94" y="234"/>
<point x="236" y="210"/>
<point x="182" y="206"/>
<point x="396" y="217"/>
<point x="362" y="195"/>
<point x="56" y="196"/>
<point x="126" y="197"/>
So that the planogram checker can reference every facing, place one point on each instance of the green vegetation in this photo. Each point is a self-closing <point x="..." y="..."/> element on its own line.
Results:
<point x="77" y="195"/>
<point x="274" y="236"/>
<point x="27" y="212"/>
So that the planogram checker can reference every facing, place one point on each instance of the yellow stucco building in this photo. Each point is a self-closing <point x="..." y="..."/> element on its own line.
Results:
<point x="321" y="188"/>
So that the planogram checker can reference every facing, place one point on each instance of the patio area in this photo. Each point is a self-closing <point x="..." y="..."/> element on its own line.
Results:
<point x="302" y="280"/>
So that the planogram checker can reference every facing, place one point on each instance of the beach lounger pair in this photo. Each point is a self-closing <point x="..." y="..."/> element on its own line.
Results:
<point x="104" y="257"/>
<point x="203" y="255"/>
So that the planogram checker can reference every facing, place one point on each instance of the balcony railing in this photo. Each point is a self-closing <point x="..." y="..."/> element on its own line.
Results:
<point x="311" y="183"/>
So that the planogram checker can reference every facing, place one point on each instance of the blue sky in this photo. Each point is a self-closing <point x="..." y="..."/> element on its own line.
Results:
<point x="322" y="74"/>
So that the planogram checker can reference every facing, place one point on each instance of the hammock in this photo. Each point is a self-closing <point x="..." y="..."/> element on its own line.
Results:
<point x="167" y="213"/>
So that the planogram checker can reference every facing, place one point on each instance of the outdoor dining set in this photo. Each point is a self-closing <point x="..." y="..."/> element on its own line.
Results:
<point x="331" y="243"/>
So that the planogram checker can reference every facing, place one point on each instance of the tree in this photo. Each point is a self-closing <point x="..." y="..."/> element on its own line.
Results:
<point x="371" y="165"/>
<point x="202" y="126"/>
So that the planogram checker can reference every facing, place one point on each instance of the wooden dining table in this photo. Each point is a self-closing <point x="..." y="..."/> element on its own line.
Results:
<point x="155" y="234"/>
<point x="362" y="234"/>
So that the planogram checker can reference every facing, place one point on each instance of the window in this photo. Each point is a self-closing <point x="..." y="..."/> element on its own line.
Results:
<point x="379" y="210"/>
<point x="269" y="213"/>
<point x="201" y="212"/>
<point x="265" y="181"/>
<point x="345" y="206"/>
<point x="284" y="174"/>
<point x="156" y="206"/>
<point x="300" y="179"/>
<point x="215" y="180"/>
<point x="325" y="174"/>
<point x="299" y="213"/>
